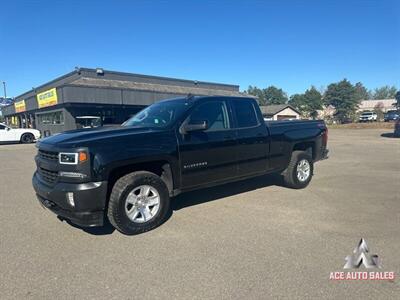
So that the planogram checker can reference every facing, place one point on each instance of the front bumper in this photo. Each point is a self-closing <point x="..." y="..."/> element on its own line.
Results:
<point x="89" y="198"/>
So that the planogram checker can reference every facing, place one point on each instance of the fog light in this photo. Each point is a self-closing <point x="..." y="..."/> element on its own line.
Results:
<point x="71" y="174"/>
<point x="70" y="199"/>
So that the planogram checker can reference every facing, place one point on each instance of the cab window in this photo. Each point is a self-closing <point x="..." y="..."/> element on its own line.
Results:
<point x="245" y="113"/>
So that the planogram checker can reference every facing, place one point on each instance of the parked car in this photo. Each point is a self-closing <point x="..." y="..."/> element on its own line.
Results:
<point x="368" y="116"/>
<point x="128" y="174"/>
<point x="88" y="122"/>
<point x="397" y="128"/>
<point x="22" y="135"/>
<point x="391" y="115"/>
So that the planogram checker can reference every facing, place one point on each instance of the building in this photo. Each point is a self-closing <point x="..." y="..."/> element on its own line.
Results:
<point x="86" y="95"/>
<point x="384" y="104"/>
<point x="280" y="112"/>
<point x="327" y="112"/>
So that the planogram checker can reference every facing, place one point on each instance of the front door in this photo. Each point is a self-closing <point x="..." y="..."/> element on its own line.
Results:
<point x="6" y="134"/>
<point x="209" y="155"/>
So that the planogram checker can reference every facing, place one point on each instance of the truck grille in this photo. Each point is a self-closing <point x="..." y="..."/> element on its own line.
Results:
<point x="47" y="175"/>
<point x="48" y="155"/>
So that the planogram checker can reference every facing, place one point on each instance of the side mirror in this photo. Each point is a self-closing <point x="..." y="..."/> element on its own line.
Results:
<point x="8" y="128"/>
<point x="194" y="126"/>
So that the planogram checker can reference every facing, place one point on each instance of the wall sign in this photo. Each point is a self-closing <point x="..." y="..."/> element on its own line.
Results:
<point x="20" y="106"/>
<point x="47" y="98"/>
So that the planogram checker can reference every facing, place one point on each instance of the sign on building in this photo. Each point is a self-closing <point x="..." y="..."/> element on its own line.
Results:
<point x="47" y="98"/>
<point x="20" y="106"/>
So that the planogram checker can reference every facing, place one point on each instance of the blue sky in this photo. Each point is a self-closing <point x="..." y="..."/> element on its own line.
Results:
<point x="290" y="44"/>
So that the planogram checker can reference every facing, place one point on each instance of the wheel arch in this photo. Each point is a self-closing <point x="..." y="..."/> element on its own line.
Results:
<point x="308" y="146"/>
<point x="19" y="137"/>
<point x="162" y="168"/>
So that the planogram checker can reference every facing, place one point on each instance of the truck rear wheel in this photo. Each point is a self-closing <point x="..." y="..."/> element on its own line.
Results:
<point x="299" y="171"/>
<point x="139" y="202"/>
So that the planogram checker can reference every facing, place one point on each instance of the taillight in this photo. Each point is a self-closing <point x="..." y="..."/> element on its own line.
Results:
<point x="325" y="137"/>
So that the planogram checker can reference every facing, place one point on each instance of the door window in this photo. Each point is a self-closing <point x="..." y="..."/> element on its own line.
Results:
<point x="245" y="113"/>
<point x="2" y="127"/>
<point x="214" y="113"/>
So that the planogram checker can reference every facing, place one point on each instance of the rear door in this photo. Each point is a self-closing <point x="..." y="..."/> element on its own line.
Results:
<point x="252" y="137"/>
<point x="208" y="156"/>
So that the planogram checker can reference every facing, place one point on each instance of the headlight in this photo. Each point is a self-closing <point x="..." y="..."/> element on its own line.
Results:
<point x="68" y="158"/>
<point x="72" y="158"/>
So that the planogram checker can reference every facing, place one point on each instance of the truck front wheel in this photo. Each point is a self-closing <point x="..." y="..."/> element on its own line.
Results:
<point x="139" y="202"/>
<point x="299" y="171"/>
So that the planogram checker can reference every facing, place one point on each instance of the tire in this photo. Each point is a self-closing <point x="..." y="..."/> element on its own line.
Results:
<point x="291" y="176"/>
<point x="27" y="138"/>
<point x="127" y="210"/>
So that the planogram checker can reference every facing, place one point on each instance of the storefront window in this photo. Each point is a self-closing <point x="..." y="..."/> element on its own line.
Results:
<point x="54" y="118"/>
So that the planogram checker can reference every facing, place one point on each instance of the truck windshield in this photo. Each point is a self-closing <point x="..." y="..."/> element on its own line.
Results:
<point x="159" y="115"/>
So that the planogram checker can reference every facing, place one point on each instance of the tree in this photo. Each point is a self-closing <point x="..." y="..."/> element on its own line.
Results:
<point x="397" y="97"/>
<point x="385" y="92"/>
<point x="308" y="103"/>
<point x="270" y="95"/>
<point x="259" y="93"/>
<point x="342" y="96"/>
<point x="273" y="95"/>
<point x="313" y="102"/>
<point x="378" y="109"/>
<point x="361" y="92"/>
<point x="298" y="102"/>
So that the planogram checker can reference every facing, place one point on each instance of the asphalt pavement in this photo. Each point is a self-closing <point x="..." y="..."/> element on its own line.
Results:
<point x="252" y="240"/>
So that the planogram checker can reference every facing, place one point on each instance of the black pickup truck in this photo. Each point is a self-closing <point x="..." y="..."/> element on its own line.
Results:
<point x="129" y="173"/>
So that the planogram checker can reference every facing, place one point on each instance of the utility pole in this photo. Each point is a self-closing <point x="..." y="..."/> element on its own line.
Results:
<point x="5" y="90"/>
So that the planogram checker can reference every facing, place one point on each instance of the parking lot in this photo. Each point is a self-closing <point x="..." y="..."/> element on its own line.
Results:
<point x="252" y="239"/>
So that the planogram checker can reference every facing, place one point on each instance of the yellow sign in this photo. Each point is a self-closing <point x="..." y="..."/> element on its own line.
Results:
<point x="14" y="120"/>
<point x="47" y="98"/>
<point x="20" y="106"/>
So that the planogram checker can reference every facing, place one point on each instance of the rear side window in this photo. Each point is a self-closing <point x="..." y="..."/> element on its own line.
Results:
<point x="245" y="113"/>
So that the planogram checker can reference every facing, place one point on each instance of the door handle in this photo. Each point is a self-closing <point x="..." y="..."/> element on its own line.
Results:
<point x="228" y="137"/>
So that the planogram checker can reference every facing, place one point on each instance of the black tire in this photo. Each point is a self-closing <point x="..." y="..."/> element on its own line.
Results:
<point x="290" y="177"/>
<point x="27" y="138"/>
<point x="116" y="206"/>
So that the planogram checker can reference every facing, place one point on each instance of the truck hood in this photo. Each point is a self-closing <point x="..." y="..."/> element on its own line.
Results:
<point x="83" y="137"/>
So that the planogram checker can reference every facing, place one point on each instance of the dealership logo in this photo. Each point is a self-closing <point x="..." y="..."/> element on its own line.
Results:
<point x="361" y="257"/>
